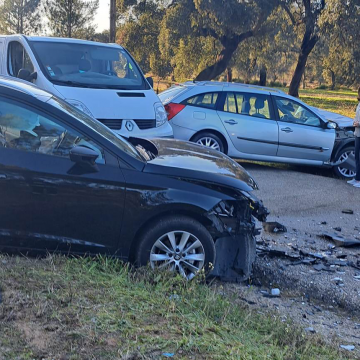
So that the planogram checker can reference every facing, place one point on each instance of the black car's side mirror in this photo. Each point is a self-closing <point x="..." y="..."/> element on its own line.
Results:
<point x="150" y="81"/>
<point x="84" y="159"/>
<point x="26" y="75"/>
<point x="83" y="155"/>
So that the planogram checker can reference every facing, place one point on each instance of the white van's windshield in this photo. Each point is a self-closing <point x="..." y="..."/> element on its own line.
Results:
<point x="88" y="65"/>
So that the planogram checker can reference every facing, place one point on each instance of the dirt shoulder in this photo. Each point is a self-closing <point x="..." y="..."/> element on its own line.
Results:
<point x="319" y="281"/>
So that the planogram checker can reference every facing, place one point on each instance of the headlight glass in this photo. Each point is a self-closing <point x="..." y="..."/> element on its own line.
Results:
<point x="160" y="114"/>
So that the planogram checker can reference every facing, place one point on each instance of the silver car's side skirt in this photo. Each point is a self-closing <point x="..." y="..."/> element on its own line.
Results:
<point x="275" y="159"/>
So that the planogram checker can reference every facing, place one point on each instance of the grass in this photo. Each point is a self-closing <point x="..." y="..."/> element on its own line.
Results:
<point x="64" y="308"/>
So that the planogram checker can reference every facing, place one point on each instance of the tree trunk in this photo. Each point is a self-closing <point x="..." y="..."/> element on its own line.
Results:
<point x="70" y="19"/>
<point x="263" y="76"/>
<point x="304" y="80"/>
<point x="112" y="37"/>
<point x="229" y="75"/>
<point x="333" y="80"/>
<point x="308" y="44"/>
<point x="230" y="45"/>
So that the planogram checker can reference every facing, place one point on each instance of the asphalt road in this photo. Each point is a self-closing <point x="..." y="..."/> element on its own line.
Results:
<point x="302" y="198"/>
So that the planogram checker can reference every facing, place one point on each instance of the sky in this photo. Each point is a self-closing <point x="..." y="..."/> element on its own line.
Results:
<point x="102" y="16"/>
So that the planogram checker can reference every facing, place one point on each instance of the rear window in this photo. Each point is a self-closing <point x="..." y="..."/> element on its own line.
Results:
<point x="170" y="94"/>
<point x="207" y="100"/>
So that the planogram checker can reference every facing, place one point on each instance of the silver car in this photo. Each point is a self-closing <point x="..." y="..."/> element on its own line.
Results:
<point x="258" y="123"/>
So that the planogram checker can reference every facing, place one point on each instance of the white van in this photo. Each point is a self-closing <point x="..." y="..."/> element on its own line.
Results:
<point x="103" y="80"/>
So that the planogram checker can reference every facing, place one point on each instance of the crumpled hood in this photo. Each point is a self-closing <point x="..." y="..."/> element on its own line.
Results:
<point x="341" y="120"/>
<point x="189" y="160"/>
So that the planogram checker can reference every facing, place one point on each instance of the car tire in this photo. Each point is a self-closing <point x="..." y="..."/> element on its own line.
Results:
<point x="339" y="171"/>
<point x="214" y="141"/>
<point x="188" y="246"/>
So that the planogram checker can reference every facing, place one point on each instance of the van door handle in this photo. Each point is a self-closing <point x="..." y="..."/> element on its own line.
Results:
<point x="287" y="130"/>
<point x="231" y="122"/>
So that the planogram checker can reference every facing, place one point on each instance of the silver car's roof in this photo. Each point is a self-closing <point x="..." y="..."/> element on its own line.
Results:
<point x="235" y="86"/>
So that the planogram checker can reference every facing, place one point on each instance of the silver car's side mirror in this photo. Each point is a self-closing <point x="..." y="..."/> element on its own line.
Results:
<point x="331" y="125"/>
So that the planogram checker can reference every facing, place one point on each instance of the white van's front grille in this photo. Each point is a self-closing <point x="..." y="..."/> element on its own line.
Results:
<point x="115" y="124"/>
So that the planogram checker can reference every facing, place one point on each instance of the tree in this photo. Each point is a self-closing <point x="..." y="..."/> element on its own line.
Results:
<point x="139" y="33"/>
<point x="341" y="33"/>
<point x="20" y="17"/>
<point x="71" y="18"/>
<point x="227" y="22"/>
<point x="305" y="16"/>
<point x="112" y="33"/>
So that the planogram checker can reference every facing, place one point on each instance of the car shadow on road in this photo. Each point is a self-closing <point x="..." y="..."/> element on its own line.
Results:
<point x="313" y="170"/>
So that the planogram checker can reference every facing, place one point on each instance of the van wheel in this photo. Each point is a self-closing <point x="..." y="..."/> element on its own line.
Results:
<point x="342" y="170"/>
<point x="178" y="244"/>
<point x="210" y="140"/>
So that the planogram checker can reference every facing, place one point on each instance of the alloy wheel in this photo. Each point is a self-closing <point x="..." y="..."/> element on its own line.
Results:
<point x="209" y="142"/>
<point x="345" y="172"/>
<point x="178" y="251"/>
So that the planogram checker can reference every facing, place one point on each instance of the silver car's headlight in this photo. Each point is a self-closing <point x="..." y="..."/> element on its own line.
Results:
<point x="160" y="114"/>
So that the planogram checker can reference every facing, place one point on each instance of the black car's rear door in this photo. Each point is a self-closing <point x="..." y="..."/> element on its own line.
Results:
<point x="47" y="201"/>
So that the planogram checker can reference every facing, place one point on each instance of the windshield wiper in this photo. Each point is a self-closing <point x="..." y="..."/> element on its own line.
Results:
<point x="76" y="84"/>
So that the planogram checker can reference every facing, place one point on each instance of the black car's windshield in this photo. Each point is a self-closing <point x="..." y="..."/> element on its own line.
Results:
<point x="83" y="65"/>
<point x="101" y="129"/>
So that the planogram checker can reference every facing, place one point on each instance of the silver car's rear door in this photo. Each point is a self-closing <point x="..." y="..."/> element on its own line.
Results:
<point x="250" y="122"/>
<point x="302" y="134"/>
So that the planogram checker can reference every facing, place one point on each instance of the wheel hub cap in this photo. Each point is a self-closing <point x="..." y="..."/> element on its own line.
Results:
<point x="209" y="142"/>
<point x="178" y="251"/>
<point x="345" y="171"/>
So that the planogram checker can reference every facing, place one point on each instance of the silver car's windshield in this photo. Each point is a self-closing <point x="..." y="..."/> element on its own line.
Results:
<point x="90" y="66"/>
<point x="101" y="129"/>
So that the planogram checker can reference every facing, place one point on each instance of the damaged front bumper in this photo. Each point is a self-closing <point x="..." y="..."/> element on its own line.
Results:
<point x="234" y="231"/>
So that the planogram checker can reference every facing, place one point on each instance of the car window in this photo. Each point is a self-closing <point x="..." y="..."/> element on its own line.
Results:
<point x="207" y="100"/>
<point x="292" y="111"/>
<point x="18" y="59"/>
<point x="25" y="129"/>
<point x="169" y="94"/>
<point x="256" y="105"/>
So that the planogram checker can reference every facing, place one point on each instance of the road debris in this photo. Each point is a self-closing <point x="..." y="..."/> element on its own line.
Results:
<point x="310" y="330"/>
<point x="339" y="240"/>
<point x="274" y="227"/>
<point x="348" y="347"/>
<point x="348" y="211"/>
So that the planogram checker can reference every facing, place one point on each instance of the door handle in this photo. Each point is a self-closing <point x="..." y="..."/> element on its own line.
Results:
<point x="287" y="130"/>
<point x="231" y="122"/>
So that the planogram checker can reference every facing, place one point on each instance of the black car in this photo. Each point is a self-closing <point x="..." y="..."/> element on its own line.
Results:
<point x="69" y="184"/>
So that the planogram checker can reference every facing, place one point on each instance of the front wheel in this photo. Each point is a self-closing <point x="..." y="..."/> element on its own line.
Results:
<point x="178" y="244"/>
<point x="346" y="168"/>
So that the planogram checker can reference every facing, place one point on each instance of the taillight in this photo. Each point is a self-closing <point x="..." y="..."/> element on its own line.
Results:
<point x="173" y="109"/>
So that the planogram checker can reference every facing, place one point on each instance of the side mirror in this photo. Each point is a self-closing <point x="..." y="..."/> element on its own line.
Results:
<point x="331" y="125"/>
<point x="26" y="75"/>
<point x="150" y="81"/>
<point x="83" y="155"/>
